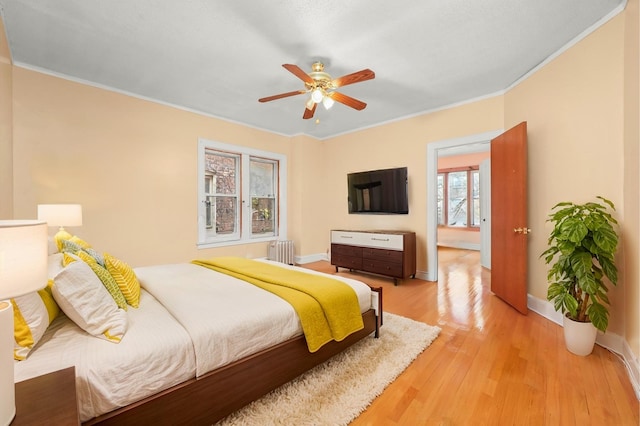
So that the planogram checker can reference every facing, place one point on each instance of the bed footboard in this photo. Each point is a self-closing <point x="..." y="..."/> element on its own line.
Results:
<point x="219" y="393"/>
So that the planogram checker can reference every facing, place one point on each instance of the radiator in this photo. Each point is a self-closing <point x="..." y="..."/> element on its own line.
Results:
<point x="281" y="251"/>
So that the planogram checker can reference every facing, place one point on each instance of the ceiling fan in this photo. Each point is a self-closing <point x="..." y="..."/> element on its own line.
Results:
<point x="322" y="88"/>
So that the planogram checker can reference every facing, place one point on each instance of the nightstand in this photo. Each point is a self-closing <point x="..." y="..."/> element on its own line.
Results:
<point x="49" y="399"/>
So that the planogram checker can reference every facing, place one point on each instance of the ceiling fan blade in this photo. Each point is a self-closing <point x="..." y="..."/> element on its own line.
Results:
<point x="282" y="95"/>
<point x="308" y="113"/>
<point x="355" y="77"/>
<point x="347" y="100"/>
<point x="298" y="72"/>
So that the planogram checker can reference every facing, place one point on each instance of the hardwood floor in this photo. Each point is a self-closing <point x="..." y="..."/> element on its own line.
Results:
<point x="491" y="365"/>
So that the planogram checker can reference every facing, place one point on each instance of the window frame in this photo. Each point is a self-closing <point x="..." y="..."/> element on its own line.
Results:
<point x="445" y="202"/>
<point x="244" y="232"/>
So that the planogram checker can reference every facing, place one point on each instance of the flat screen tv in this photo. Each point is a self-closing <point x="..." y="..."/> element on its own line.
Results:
<point x="378" y="192"/>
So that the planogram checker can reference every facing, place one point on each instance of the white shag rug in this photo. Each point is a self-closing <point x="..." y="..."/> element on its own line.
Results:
<point x="336" y="392"/>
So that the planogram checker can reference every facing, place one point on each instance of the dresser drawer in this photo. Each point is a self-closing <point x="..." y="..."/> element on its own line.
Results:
<point x="344" y="261"/>
<point x="381" y="267"/>
<point x="386" y="241"/>
<point x="382" y="254"/>
<point x="368" y="239"/>
<point x="346" y="250"/>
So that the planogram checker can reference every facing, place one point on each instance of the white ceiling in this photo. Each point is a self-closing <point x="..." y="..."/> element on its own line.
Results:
<point x="219" y="57"/>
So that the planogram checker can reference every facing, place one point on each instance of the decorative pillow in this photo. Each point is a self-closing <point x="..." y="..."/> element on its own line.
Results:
<point x="107" y="280"/>
<point x="82" y="296"/>
<point x="68" y="246"/>
<point x="32" y="314"/>
<point x="61" y="236"/>
<point x="126" y="279"/>
<point x="79" y="241"/>
<point x="96" y="255"/>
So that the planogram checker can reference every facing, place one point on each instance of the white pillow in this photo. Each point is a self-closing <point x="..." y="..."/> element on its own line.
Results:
<point x="54" y="265"/>
<point x="83" y="298"/>
<point x="32" y="314"/>
<point x="52" y="246"/>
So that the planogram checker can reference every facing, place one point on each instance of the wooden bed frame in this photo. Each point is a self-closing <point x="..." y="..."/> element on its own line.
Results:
<point x="215" y="395"/>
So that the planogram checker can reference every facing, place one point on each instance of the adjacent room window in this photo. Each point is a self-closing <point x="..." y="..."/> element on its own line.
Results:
<point x="459" y="198"/>
<point x="241" y="194"/>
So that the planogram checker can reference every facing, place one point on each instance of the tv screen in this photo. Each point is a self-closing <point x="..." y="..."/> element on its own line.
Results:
<point x="378" y="191"/>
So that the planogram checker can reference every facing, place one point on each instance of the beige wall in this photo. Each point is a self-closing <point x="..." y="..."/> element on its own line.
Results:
<point x="307" y="163"/>
<point x="631" y="238"/>
<point x="132" y="164"/>
<point x="6" y="123"/>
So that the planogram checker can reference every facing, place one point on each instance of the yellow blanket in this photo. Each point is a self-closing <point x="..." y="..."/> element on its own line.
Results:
<point x="328" y="309"/>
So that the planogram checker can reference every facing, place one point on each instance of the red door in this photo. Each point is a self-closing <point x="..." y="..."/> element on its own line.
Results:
<point x="509" y="217"/>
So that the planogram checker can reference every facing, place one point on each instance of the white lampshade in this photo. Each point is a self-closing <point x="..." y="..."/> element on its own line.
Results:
<point x="60" y="214"/>
<point x="23" y="257"/>
<point x="23" y="269"/>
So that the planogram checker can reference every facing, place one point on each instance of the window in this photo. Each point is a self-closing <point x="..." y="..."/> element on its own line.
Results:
<point x="241" y="195"/>
<point x="459" y="198"/>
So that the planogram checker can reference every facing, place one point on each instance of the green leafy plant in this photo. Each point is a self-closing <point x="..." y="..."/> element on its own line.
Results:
<point x="581" y="252"/>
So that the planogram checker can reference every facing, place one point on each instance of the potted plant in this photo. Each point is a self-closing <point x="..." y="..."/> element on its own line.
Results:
<point x="582" y="245"/>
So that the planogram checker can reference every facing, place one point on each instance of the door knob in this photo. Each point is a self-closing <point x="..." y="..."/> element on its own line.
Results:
<point x="522" y="230"/>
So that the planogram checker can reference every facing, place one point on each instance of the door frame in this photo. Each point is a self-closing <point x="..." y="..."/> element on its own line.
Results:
<point x="433" y="149"/>
<point x="485" y="213"/>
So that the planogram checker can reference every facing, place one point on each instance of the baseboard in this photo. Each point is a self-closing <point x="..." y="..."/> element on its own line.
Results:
<point x="611" y="341"/>
<point x="544" y="308"/>
<point x="460" y="245"/>
<point x="633" y="367"/>
<point x="422" y="275"/>
<point x="301" y="260"/>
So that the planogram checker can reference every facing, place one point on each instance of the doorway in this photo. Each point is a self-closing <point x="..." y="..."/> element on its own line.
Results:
<point x="462" y="145"/>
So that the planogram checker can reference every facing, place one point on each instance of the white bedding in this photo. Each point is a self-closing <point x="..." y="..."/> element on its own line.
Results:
<point x="110" y="375"/>
<point x="170" y="338"/>
<point x="247" y="318"/>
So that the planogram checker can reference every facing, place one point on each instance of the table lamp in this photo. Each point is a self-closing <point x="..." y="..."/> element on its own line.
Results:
<point x="23" y="269"/>
<point x="60" y="214"/>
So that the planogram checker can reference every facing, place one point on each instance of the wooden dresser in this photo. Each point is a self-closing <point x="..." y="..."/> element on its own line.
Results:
<point x="390" y="253"/>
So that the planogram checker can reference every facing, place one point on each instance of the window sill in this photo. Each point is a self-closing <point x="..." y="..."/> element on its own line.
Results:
<point x="209" y="245"/>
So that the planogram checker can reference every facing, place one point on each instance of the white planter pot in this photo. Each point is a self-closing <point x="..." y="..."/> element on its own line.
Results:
<point x="579" y="337"/>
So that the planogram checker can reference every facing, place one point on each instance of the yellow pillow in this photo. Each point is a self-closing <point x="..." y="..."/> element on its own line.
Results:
<point x="126" y="279"/>
<point x="32" y="314"/>
<point x="60" y="237"/>
<point x="107" y="280"/>
<point x="68" y="258"/>
<point x="79" y="241"/>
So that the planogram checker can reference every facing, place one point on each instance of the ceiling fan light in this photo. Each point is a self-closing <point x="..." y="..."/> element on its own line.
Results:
<point x="309" y="104"/>
<point x="317" y="95"/>
<point x="327" y="102"/>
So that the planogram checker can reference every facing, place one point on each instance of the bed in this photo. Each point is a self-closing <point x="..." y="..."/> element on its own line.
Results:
<point x="201" y="345"/>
